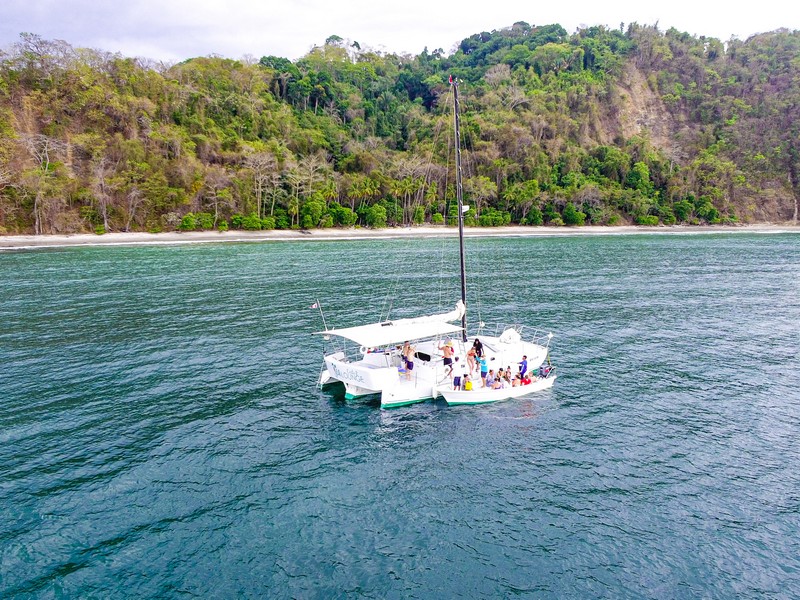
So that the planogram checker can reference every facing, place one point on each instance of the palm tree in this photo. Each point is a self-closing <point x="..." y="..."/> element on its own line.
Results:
<point x="293" y="208"/>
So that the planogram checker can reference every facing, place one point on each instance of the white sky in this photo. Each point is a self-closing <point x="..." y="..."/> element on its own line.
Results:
<point x="173" y="30"/>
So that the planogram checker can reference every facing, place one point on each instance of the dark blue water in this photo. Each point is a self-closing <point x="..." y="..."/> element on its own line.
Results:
<point x="161" y="434"/>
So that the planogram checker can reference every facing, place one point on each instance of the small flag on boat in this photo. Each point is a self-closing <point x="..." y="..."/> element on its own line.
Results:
<point x="315" y="305"/>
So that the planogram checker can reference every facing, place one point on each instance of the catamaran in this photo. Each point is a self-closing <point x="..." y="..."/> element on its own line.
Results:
<point x="415" y="359"/>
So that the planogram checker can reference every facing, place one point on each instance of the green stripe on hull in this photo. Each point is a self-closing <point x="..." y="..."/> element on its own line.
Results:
<point x="405" y="403"/>
<point x="349" y="396"/>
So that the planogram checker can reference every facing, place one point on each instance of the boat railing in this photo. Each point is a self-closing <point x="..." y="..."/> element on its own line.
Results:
<point x="353" y="353"/>
<point x="537" y="336"/>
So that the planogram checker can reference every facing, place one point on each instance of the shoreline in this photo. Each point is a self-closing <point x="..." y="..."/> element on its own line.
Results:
<point x="19" y="242"/>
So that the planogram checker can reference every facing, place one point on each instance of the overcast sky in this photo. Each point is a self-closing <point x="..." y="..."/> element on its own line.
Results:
<point x="173" y="30"/>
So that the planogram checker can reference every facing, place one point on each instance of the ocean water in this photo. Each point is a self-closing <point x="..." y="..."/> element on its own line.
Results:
<point x="161" y="434"/>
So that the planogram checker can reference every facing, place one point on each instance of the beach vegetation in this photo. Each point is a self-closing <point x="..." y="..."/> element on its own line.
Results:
<point x="375" y="217"/>
<point x="188" y="222"/>
<point x="251" y="222"/>
<point x="572" y="216"/>
<point x="631" y="125"/>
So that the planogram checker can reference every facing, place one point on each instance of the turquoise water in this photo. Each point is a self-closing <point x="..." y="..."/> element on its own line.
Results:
<point x="161" y="434"/>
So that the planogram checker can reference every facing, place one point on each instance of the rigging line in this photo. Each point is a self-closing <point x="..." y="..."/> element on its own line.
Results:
<point x="443" y="125"/>
<point x="470" y="170"/>
<point x="443" y="295"/>
<point x="388" y="301"/>
<point x="475" y="260"/>
<point x="430" y="165"/>
<point x="432" y="173"/>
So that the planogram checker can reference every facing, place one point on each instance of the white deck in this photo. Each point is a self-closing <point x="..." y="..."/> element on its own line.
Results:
<point x="486" y="395"/>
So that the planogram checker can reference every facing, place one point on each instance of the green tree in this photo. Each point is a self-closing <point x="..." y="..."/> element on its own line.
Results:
<point x="573" y="216"/>
<point x="376" y="216"/>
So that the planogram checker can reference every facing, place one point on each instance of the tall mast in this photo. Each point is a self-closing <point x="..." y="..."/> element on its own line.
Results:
<point x="460" y="198"/>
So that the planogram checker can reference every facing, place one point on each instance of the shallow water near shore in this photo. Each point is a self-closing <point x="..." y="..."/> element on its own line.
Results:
<point x="161" y="434"/>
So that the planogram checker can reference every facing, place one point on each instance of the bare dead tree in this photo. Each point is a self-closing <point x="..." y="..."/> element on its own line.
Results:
<point x="217" y="190"/>
<point x="43" y="150"/>
<point x="5" y="176"/>
<point x="312" y="169"/>
<point x="134" y="198"/>
<point x="265" y="175"/>
<point x="101" y="173"/>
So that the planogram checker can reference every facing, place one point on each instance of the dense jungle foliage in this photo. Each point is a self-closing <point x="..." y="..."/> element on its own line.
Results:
<point x="603" y="126"/>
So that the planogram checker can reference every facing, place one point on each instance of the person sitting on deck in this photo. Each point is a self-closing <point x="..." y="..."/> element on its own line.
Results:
<point x="490" y="379"/>
<point x="467" y="383"/>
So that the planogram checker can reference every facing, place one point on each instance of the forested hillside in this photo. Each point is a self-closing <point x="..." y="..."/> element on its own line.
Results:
<point x="602" y="126"/>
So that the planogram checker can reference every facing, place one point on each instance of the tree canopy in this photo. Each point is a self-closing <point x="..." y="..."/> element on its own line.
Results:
<point x="602" y="126"/>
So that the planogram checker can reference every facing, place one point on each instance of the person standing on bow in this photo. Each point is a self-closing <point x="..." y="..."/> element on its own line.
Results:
<point x="447" y="351"/>
<point x="408" y="357"/>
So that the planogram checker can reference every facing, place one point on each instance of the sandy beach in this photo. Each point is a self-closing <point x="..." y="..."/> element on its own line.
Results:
<point x="196" y="237"/>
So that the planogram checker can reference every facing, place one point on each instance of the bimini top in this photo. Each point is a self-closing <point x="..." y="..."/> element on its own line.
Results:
<point x="401" y="330"/>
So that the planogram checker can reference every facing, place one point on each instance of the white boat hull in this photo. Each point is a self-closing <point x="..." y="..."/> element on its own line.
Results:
<point x="486" y="395"/>
<point x="361" y="378"/>
<point x="403" y="395"/>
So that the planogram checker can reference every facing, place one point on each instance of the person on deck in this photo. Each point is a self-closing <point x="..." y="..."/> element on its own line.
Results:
<point x="447" y="351"/>
<point x="457" y="377"/>
<point x="467" y="383"/>
<point x="408" y="357"/>
<point x="471" y="354"/>
<point x="523" y="365"/>
<point x="478" y="347"/>
<point x="503" y="375"/>
<point x="482" y="363"/>
<point x="489" y="380"/>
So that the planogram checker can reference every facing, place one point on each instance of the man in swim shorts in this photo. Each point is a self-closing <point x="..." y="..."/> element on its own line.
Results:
<point x="447" y="351"/>
<point x="408" y="358"/>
